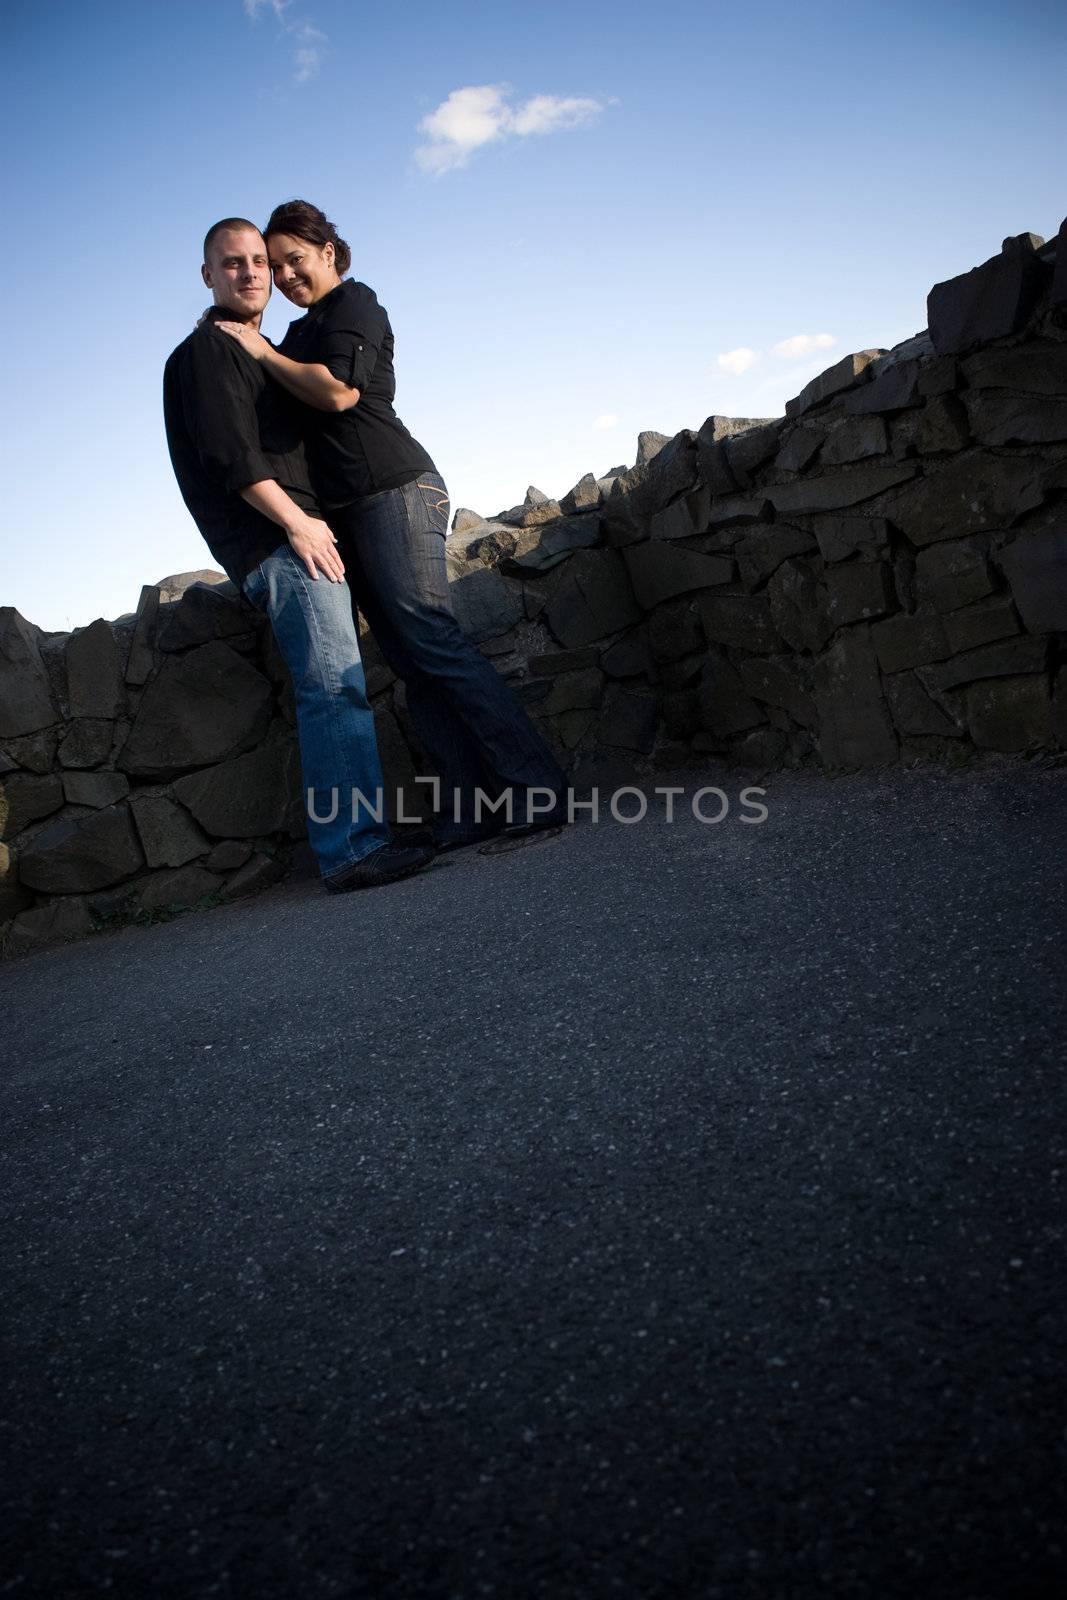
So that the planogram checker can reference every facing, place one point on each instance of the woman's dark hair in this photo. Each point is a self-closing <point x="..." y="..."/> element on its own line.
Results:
<point x="305" y="221"/>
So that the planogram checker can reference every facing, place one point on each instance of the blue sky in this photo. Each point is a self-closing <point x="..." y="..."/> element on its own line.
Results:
<point x="584" y="219"/>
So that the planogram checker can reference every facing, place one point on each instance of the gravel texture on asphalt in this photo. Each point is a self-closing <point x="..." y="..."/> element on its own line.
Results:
<point x="663" y="1209"/>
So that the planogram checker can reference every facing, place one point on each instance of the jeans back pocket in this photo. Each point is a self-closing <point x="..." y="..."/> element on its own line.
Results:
<point x="434" y="497"/>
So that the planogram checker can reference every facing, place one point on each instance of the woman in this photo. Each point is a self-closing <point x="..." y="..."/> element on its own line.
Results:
<point x="388" y="506"/>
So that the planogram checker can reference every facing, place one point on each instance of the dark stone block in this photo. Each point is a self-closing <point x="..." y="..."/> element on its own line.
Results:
<point x="86" y="742"/>
<point x="675" y="630"/>
<point x="93" y="674"/>
<point x="914" y="711"/>
<point x="620" y="523"/>
<point x="681" y="713"/>
<point x="1024" y="654"/>
<point x="257" y="874"/>
<point x="999" y="417"/>
<point x="204" y="612"/>
<point x="801" y="447"/>
<point x="562" y="661"/>
<point x="1058" y="290"/>
<point x="545" y="547"/>
<point x="595" y="599"/>
<point x="798" y="605"/>
<point x="973" y="492"/>
<point x="1036" y="568"/>
<point x="725" y="706"/>
<point x="247" y="796"/>
<point x="486" y="603"/>
<point x="854" y="439"/>
<point x="776" y="680"/>
<point x="892" y="389"/>
<point x="660" y="571"/>
<point x="942" y="426"/>
<point x="573" y="691"/>
<point x="981" y="624"/>
<point x="741" y="620"/>
<point x="629" y="719"/>
<point x="952" y="574"/>
<point x="747" y="452"/>
<point x="854" y="725"/>
<point x="673" y="522"/>
<point x="26" y="703"/>
<point x="201" y="707"/>
<point x="1036" y="367"/>
<point x="834" y="492"/>
<point x="909" y="641"/>
<point x="840" y="537"/>
<point x="938" y="377"/>
<point x="627" y="658"/>
<point x="82" y="853"/>
<point x="736" y="508"/>
<point x="857" y="591"/>
<point x="26" y="797"/>
<point x="96" y="789"/>
<point x="1010" y="714"/>
<point x="761" y="552"/>
<point x="673" y="471"/>
<point x="844" y="374"/>
<point x="991" y="302"/>
<point x="34" y="751"/>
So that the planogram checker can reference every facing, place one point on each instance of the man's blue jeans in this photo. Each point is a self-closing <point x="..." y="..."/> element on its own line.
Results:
<point x="316" y="633"/>
<point x="469" y="723"/>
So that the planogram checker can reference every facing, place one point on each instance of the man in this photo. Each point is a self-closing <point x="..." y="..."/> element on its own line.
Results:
<point x="237" y="455"/>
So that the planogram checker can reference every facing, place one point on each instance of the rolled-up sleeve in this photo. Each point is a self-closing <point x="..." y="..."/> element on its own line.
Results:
<point x="220" y="413"/>
<point x="349" y="339"/>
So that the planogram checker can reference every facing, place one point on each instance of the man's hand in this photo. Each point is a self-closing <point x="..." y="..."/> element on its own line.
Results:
<point x="313" y="542"/>
<point x="247" y="337"/>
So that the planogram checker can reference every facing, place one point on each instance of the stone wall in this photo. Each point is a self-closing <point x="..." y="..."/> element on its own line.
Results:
<point x="878" y="576"/>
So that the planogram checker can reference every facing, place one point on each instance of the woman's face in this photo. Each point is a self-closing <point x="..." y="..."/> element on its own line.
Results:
<point x="303" y="272"/>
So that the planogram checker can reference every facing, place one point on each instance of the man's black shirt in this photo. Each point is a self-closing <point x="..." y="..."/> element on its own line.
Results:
<point x="367" y="447"/>
<point x="228" y="426"/>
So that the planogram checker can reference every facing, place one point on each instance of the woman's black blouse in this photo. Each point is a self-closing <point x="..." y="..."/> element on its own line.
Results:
<point x="366" y="448"/>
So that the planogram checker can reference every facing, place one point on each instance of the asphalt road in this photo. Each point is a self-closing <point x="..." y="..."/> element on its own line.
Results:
<point x="661" y="1210"/>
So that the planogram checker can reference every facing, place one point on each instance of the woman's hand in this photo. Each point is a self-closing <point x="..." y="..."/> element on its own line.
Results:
<point x="247" y="337"/>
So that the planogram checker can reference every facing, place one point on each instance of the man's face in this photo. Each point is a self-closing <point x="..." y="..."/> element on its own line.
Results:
<point x="237" y="271"/>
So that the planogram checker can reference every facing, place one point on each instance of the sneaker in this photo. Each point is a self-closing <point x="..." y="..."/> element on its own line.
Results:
<point x="384" y="865"/>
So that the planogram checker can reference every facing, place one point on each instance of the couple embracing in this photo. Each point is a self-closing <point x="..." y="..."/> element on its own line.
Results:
<point x="316" y="501"/>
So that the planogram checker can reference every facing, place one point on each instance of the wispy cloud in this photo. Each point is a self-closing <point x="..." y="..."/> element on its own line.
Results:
<point x="739" y="360"/>
<point x="481" y="114"/>
<point x="310" y="44"/>
<point x="794" y="349"/>
<point x="608" y="420"/>
<point x="802" y="344"/>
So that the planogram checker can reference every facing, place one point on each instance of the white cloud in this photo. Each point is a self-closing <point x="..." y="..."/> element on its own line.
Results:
<point x="739" y="360"/>
<point x="802" y="344"/>
<point x="480" y="114"/>
<point x="468" y="119"/>
<point x="308" y="59"/>
<point x="547" y="113"/>
<point x="310" y="42"/>
<point x="608" y="420"/>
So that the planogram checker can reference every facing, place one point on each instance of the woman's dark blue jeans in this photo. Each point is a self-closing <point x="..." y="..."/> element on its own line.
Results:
<point x="469" y="723"/>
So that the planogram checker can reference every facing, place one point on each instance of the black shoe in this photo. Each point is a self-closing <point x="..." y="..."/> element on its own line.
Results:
<point x="384" y="865"/>
<point x="556" y="818"/>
